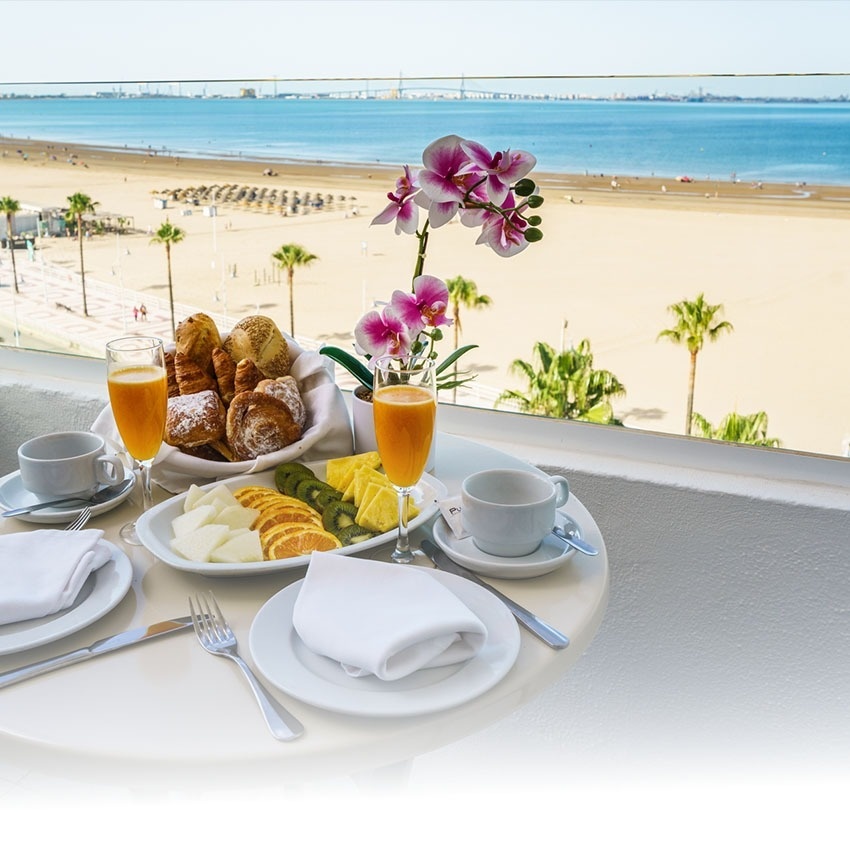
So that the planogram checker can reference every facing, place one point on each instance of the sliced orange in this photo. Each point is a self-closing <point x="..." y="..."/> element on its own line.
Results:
<point x="277" y="515"/>
<point x="302" y="542"/>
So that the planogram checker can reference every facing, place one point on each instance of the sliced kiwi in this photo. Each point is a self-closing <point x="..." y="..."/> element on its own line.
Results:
<point x="291" y="481"/>
<point x="325" y="496"/>
<point x="284" y="470"/>
<point x="338" y="515"/>
<point x="354" y="534"/>
<point x="307" y="489"/>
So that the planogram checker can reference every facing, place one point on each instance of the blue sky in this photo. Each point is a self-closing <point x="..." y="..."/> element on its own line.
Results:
<point x="103" y="40"/>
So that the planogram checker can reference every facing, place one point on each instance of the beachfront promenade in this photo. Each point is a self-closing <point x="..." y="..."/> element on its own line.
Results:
<point x="48" y="310"/>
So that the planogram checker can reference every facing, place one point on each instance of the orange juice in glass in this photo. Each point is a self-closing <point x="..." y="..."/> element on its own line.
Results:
<point x="404" y="406"/>
<point x="138" y="395"/>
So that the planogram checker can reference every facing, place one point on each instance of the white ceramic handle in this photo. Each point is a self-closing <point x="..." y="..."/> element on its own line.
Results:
<point x="109" y="469"/>
<point x="562" y="489"/>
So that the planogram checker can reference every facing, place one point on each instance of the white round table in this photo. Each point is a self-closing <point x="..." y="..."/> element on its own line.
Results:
<point x="166" y="712"/>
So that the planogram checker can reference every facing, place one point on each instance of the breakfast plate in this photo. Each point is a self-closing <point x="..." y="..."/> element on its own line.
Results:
<point x="100" y="593"/>
<point x="154" y="526"/>
<point x="284" y="660"/>
<point x="13" y="494"/>
<point x="551" y="554"/>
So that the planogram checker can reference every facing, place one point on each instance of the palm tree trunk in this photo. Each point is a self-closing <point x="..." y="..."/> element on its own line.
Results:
<point x="82" y="267"/>
<point x="12" y="252"/>
<point x="692" y="377"/>
<point x="170" y="289"/>
<point x="290" y="274"/>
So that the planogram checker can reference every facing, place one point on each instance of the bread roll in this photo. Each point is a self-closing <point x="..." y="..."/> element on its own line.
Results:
<point x="197" y="337"/>
<point x="258" y="424"/>
<point x="259" y="339"/>
<point x="195" y="419"/>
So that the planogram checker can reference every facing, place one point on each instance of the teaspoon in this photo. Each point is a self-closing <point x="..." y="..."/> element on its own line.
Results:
<point x="569" y="536"/>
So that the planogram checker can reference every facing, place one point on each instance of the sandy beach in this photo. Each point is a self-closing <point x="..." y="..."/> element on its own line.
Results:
<point x="611" y="261"/>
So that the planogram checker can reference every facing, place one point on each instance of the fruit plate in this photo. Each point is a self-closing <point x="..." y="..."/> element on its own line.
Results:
<point x="154" y="526"/>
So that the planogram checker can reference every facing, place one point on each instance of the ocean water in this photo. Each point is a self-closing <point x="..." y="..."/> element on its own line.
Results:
<point x="784" y="142"/>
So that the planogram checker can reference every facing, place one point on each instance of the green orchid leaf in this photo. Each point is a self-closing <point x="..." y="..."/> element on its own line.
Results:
<point x="356" y="367"/>
<point x="455" y="355"/>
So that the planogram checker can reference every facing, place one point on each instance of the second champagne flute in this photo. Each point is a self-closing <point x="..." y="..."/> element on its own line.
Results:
<point x="404" y="405"/>
<point x="138" y="395"/>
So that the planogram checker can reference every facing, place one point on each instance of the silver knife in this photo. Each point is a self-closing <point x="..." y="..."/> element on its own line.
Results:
<point x="99" y="647"/>
<point x="548" y="634"/>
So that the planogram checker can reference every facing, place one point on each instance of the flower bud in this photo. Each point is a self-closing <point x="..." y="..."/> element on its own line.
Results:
<point x="534" y="201"/>
<point x="534" y="220"/>
<point x="532" y="234"/>
<point x="524" y="187"/>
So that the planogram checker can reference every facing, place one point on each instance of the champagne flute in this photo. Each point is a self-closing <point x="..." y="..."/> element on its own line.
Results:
<point x="404" y="406"/>
<point x="138" y="394"/>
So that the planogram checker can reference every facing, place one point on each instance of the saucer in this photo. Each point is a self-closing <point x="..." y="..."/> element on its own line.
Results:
<point x="550" y="555"/>
<point x="14" y="495"/>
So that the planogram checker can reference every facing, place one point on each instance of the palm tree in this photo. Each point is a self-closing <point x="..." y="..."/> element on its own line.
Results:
<point x="78" y="206"/>
<point x="169" y="235"/>
<point x="692" y="329"/>
<point x="10" y="206"/>
<point x="564" y="385"/>
<point x="290" y="256"/>
<point x="747" y="428"/>
<point x="463" y="293"/>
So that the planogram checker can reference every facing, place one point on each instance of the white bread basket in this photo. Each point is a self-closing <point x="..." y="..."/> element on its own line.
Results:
<point x="327" y="433"/>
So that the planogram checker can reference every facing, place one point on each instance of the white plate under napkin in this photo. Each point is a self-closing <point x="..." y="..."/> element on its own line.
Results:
<point x="100" y="593"/>
<point x="285" y="662"/>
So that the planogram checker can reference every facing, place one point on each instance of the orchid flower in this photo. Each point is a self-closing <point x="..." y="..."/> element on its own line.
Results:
<point x="426" y="307"/>
<point x="502" y="168"/>
<point x="401" y="208"/>
<point x="503" y="231"/>
<point x="382" y="333"/>
<point x="458" y="176"/>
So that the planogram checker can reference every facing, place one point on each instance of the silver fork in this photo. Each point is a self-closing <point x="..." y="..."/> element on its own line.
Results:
<point x="80" y="520"/>
<point x="216" y="637"/>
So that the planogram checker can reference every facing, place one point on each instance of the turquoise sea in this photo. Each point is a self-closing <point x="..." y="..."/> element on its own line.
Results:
<point x="784" y="142"/>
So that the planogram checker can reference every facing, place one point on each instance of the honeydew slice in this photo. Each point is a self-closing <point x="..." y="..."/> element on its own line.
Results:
<point x="186" y="522"/>
<point x="199" y="544"/>
<point x="244" y="548"/>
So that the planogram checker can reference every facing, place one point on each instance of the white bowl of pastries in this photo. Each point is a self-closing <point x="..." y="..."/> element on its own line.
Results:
<point x="244" y="401"/>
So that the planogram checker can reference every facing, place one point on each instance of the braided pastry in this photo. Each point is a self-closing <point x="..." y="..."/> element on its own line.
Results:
<point x="171" y="375"/>
<point x="195" y="419"/>
<point x="286" y="390"/>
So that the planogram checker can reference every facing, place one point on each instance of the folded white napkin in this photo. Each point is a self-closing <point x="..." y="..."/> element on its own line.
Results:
<point x="327" y="433"/>
<point x="383" y="619"/>
<point x="41" y="572"/>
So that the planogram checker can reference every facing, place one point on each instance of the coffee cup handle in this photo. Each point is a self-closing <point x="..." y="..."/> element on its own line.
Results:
<point x="562" y="489"/>
<point x="109" y="470"/>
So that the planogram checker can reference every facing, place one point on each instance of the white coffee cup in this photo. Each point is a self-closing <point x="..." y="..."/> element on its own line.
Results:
<point x="67" y="463"/>
<point x="508" y="512"/>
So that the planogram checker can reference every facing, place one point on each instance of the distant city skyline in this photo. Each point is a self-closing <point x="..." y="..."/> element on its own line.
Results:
<point x="593" y="47"/>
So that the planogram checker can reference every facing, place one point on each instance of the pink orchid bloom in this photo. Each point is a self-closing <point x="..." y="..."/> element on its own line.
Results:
<point x="442" y="179"/>
<point x="502" y="168"/>
<point x="382" y="333"/>
<point x="503" y="233"/>
<point x="401" y="208"/>
<point x="426" y="307"/>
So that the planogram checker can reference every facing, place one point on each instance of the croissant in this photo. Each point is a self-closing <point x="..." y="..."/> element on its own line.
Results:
<point x="259" y="424"/>
<point x="171" y="375"/>
<point x="225" y="374"/>
<point x="191" y="378"/>
<point x="247" y="376"/>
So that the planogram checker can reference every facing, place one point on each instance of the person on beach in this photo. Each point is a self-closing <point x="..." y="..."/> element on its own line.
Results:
<point x="135" y="313"/>
<point x="144" y="312"/>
